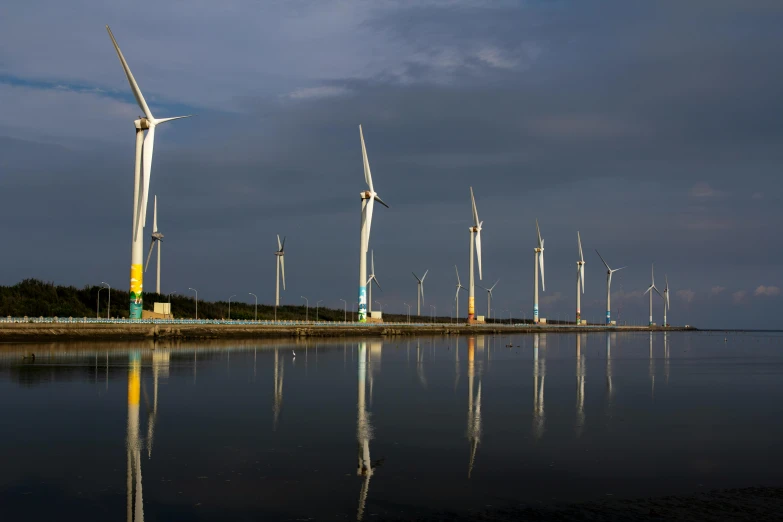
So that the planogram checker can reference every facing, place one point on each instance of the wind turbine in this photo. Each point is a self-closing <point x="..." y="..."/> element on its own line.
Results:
<point x="369" y="197"/>
<point x="652" y="287"/>
<point x="665" y="301"/>
<point x="459" y="287"/>
<point x="280" y="254"/>
<point x="539" y="262"/>
<point x="489" y="296"/>
<point x="141" y="186"/>
<point x="580" y="280"/>
<point x="609" y="272"/>
<point x="157" y="238"/>
<point x="475" y="239"/>
<point x="370" y="281"/>
<point x="419" y="291"/>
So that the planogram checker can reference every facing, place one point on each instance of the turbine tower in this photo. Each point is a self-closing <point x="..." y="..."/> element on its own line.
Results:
<point x="141" y="186"/>
<point x="539" y="262"/>
<point x="280" y="254"/>
<point x="609" y="272"/>
<point x="459" y="287"/>
<point x="370" y="282"/>
<point x="665" y="301"/>
<point x="157" y="239"/>
<point x="419" y="291"/>
<point x="489" y="296"/>
<point x="580" y="280"/>
<point x="369" y="197"/>
<point x="475" y="239"/>
<point x="652" y="287"/>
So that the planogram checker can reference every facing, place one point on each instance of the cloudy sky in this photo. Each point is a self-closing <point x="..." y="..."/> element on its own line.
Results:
<point x="655" y="129"/>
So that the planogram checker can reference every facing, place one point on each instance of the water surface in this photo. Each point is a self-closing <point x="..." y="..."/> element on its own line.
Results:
<point x="382" y="428"/>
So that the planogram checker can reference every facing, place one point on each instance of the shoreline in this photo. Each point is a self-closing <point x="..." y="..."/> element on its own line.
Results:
<point x="32" y="332"/>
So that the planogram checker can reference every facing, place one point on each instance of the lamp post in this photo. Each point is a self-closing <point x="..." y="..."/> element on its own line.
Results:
<point x="380" y="306"/>
<point x="256" y="314"/>
<point x="345" y="310"/>
<point x="98" y="306"/>
<point x="108" y="308"/>
<point x="316" y="309"/>
<point x="509" y="317"/>
<point x="432" y="314"/>
<point x="409" y="312"/>
<point x="229" y="306"/>
<point x="307" y="309"/>
<point x="196" y="301"/>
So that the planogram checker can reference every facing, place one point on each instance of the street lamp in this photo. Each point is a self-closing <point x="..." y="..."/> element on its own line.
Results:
<point x="229" y="306"/>
<point x="345" y="310"/>
<point x="196" y="301"/>
<point x="98" y="307"/>
<point x="254" y="295"/>
<point x="432" y="316"/>
<point x="307" y="310"/>
<point x="380" y="306"/>
<point x="509" y="317"/>
<point x="409" y="312"/>
<point x="108" y="308"/>
<point x="316" y="309"/>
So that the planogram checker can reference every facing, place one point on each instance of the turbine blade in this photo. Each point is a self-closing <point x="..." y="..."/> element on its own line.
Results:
<point x="149" y="146"/>
<point x="131" y="80"/>
<point x="457" y="271"/>
<point x="618" y="269"/>
<point x="421" y="287"/>
<point x="475" y="212"/>
<point x="368" y="209"/>
<point x="417" y="277"/>
<point x="540" y="241"/>
<point x="365" y="161"/>
<point x="379" y="200"/>
<point x="282" y="249"/>
<point x="602" y="259"/>
<point x="581" y="255"/>
<point x="425" y="275"/>
<point x="155" y="215"/>
<point x="582" y="276"/>
<point x="541" y="263"/>
<point x="279" y="245"/>
<point x="648" y="289"/>
<point x="372" y="263"/>
<point x="282" y="268"/>
<point x="478" y="249"/>
<point x="149" y="255"/>
<point x="377" y="283"/>
<point x="164" y="120"/>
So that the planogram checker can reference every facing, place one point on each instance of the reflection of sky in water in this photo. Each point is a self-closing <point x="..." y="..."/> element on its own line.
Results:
<point x="439" y="424"/>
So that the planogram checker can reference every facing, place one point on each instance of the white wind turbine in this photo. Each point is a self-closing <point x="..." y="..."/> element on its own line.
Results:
<point x="369" y="197"/>
<point x="665" y="300"/>
<point x="157" y="239"/>
<point x="652" y="287"/>
<point x="144" y="148"/>
<point x="475" y="239"/>
<point x="609" y="272"/>
<point x="370" y="281"/>
<point x="419" y="292"/>
<point x="459" y="287"/>
<point x="280" y="254"/>
<point x="580" y="280"/>
<point x="489" y="296"/>
<point x="538" y="263"/>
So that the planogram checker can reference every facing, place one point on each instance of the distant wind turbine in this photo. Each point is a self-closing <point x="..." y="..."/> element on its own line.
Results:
<point x="609" y="272"/>
<point x="665" y="300"/>
<point x="370" y="281"/>
<point x="475" y="239"/>
<point x="369" y="197"/>
<point x="459" y="287"/>
<point x="489" y="296"/>
<point x="280" y="254"/>
<point x="141" y="186"/>
<point x="157" y="238"/>
<point x="538" y="263"/>
<point x="419" y="291"/>
<point x="652" y="287"/>
<point x="580" y="280"/>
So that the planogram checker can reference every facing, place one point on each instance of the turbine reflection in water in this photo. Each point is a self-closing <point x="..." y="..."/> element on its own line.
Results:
<point x="474" y="405"/>
<point x="539" y="374"/>
<point x="580" y="387"/>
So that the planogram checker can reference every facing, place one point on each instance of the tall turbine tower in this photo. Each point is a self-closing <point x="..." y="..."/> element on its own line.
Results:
<point x="157" y="239"/>
<point x="489" y="296"/>
<point x="369" y="197"/>
<point x="141" y="185"/>
<point x="419" y="291"/>
<point x="370" y="281"/>
<point x="649" y="288"/>
<point x="665" y="301"/>
<point x="475" y="239"/>
<point x="609" y="272"/>
<point x="459" y="287"/>
<point x="280" y="255"/>
<point x="539" y="262"/>
<point x="580" y="280"/>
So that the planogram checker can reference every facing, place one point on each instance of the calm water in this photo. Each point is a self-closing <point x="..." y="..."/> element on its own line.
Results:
<point x="243" y="430"/>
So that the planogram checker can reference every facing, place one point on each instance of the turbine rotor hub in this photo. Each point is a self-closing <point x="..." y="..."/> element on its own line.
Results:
<point x="142" y="124"/>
